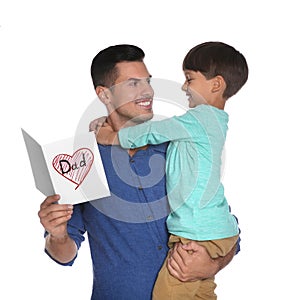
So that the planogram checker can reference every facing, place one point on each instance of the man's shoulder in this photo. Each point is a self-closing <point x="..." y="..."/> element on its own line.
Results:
<point x="106" y="152"/>
<point x="162" y="148"/>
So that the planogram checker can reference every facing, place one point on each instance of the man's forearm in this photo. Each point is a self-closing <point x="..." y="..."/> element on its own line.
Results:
<point x="62" y="249"/>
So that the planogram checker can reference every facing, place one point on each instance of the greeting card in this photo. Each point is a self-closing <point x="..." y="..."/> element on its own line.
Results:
<point x="72" y="168"/>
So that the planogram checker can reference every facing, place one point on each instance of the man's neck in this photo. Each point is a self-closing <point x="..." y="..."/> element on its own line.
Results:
<point x="118" y="124"/>
<point x="132" y="152"/>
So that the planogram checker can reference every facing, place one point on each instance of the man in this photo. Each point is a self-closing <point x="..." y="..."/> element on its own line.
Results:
<point x="126" y="231"/>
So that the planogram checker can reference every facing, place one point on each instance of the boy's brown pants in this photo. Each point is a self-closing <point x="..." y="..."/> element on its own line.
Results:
<point x="168" y="287"/>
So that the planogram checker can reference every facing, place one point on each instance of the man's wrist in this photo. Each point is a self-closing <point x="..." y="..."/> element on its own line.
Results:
<point x="60" y="239"/>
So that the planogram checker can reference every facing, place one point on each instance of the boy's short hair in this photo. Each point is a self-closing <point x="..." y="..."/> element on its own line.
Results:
<point x="217" y="58"/>
<point x="103" y="68"/>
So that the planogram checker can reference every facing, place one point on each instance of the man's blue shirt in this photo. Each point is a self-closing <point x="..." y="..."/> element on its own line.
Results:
<point x="126" y="231"/>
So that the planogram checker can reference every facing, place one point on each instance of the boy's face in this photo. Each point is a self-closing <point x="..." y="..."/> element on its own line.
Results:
<point x="197" y="88"/>
<point x="131" y="97"/>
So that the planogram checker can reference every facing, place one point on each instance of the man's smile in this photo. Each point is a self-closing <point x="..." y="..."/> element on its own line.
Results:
<point x="145" y="103"/>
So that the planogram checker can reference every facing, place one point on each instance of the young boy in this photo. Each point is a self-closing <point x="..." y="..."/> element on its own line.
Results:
<point x="214" y="72"/>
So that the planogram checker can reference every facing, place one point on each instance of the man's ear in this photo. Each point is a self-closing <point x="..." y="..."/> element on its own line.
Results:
<point x="103" y="94"/>
<point x="218" y="84"/>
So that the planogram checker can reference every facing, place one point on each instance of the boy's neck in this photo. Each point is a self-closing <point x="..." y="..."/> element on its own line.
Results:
<point x="218" y="103"/>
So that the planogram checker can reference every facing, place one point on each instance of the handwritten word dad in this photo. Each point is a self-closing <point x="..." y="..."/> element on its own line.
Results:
<point x="74" y="167"/>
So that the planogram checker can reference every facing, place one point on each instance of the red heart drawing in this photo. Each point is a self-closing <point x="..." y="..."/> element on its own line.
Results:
<point x="75" y="167"/>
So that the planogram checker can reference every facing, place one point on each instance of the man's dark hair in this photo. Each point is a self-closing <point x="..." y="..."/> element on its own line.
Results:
<point x="216" y="58"/>
<point x="103" y="68"/>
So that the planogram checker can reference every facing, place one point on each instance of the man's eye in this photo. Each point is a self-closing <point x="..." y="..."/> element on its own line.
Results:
<point x="133" y="82"/>
<point x="148" y="80"/>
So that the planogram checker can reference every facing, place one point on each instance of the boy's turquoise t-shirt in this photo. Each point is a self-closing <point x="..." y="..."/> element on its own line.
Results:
<point x="199" y="209"/>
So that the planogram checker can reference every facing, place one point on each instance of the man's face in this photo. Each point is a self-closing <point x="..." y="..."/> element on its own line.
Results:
<point x="132" y="95"/>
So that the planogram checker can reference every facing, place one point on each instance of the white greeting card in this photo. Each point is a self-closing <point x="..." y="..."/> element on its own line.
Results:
<point x="72" y="168"/>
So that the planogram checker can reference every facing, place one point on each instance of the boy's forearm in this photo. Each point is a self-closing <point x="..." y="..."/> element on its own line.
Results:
<point x="62" y="249"/>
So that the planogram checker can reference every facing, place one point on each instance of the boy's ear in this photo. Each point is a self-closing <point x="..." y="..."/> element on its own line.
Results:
<point x="102" y="94"/>
<point x="218" y="84"/>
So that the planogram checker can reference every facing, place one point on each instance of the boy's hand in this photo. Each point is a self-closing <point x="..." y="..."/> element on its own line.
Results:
<point x="96" y="124"/>
<point x="107" y="136"/>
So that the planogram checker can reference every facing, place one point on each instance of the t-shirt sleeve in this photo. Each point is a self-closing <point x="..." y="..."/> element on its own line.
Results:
<point x="156" y="132"/>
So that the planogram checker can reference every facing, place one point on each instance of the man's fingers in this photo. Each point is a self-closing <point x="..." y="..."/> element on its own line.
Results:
<point x="177" y="262"/>
<point x="59" y="218"/>
<point x="54" y="214"/>
<point x="54" y="210"/>
<point x="174" y="260"/>
<point x="51" y="210"/>
<point x="49" y="200"/>
<point x="178" y="253"/>
<point x="54" y="219"/>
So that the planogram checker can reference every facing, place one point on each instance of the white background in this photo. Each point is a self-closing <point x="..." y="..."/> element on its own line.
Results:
<point x="46" y="48"/>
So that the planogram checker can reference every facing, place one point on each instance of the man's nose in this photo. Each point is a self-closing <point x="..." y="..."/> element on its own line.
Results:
<point x="147" y="88"/>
